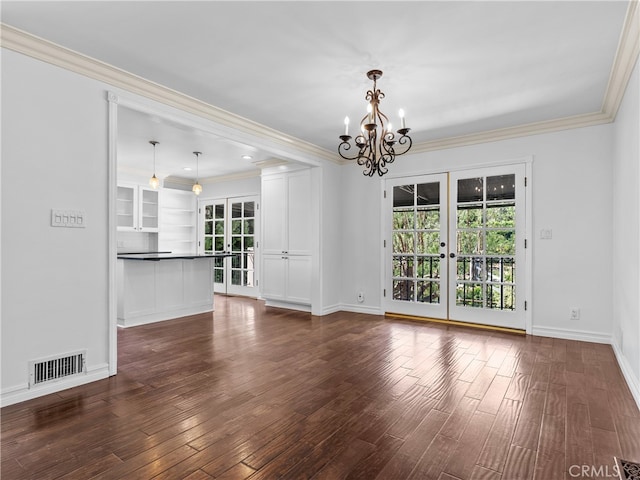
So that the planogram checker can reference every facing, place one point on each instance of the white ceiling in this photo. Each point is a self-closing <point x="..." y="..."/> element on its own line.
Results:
<point x="455" y="67"/>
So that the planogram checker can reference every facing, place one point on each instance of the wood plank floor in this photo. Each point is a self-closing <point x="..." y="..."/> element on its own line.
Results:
<point x="252" y="392"/>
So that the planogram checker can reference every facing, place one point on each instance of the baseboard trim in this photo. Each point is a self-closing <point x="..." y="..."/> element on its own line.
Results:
<point x="22" y="393"/>
<point x="632" y="382"/>
<point x="135" y="320"/>
<point x="289" y="306"/>
<point x="581" y="335"/>
<point x="349" y="307"/>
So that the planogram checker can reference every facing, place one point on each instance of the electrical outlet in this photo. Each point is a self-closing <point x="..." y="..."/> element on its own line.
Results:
<point x="574" y="314"/>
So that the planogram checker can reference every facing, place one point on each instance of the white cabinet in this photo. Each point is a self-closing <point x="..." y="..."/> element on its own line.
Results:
<point x="286" y="220"/>
<point x="286" y="237"/>
<point x="178" y="221"/>
<point x="287" y="278"/>
<point x="137" y="209"/>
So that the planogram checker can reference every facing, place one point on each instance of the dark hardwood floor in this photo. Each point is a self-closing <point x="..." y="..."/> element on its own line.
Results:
<point x="251" y="392"/>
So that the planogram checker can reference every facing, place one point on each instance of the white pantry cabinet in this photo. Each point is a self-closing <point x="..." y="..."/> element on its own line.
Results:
<point x="137" y="208"/>
<point x="286" y="237"/>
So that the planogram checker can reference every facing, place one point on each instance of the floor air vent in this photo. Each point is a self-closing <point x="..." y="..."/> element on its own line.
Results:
<point x="54" y="368"/>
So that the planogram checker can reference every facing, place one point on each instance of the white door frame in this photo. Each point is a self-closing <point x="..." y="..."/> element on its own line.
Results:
<point x="528" y="164"/>
<point x="227" y="202"/>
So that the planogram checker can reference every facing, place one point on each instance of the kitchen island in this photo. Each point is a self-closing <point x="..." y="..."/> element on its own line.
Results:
<point x="160" y="286"/>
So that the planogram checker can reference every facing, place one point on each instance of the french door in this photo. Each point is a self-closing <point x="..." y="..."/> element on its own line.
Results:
<point x="454" y="243"/>
<point x="230" y="225"/>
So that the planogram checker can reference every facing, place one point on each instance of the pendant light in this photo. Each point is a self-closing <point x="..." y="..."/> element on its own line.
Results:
<point x="197" y="188"/>
<point x="153" y="181"/>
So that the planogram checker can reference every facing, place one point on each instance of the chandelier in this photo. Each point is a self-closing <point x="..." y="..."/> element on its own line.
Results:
<point x="376" y="143"/>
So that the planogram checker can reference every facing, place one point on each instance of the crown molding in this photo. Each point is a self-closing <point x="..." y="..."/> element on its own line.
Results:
<point x="25" y="43"/>
<point x="41" y="49"/>
<point x="625" y="60"/>
<point x="547" y="126"/>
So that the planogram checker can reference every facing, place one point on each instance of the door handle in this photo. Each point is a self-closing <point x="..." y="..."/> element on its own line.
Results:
<point x="452" y="255"/>
<point x="442" y="244"/>
<point x="442" y="255"/>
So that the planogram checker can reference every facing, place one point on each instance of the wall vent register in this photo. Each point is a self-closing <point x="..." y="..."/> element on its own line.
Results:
<point x="55" y="368"/>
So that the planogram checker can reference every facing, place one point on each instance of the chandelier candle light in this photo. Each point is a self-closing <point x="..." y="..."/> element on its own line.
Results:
<point x="376" y="142"/>
<point x="197" y="188"/>
<point x="153" y="181"/>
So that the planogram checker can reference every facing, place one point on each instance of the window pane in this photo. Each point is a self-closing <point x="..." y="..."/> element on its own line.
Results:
<point x="236" y="227"/>
<point x="219" y="227"/>
<point x="470" y="216"/>
<point x="208" y="211"/>
<point x="218" y="262"/>
<point x="501" y="297"/>
<point x="219" y="211"/>
<point x="501" y="242"/>
<point x="248" y="227"/>
<point x="236" y="277"/>
<point x="501" y="187"/>
<point x="208" y="228"/>
<point x="218" y="274"/>
<point x="249" y="261"/>
<point x="403" y="290"/>
<point x="248" y="243"/>
<point x="428" y="267"/>
<point x="236" y="244"/>
<point x="428" y="219"/>
<point x="428" y="242"/>
<point x="235" y="261"/>
<point x="428" y="292"/>
<point x="470" y="190"/>
<point x="403" y="196"/>
<point x="403" y="266"/>
<point x="249" y="209"/>
<point x="469" y="268"/>
<point x="403" y="220"/>
<point x="403" y="242"/>
<point x="236" y="210"/>
<point x="428" y="194"/>
<point x="219" y="244"/>
<point x="469" y="295"/>
<point x="208" y="243"/>
<point x="501" y="215"/>
<point x="248" y="278"/>
<point x="470" y="243"/>
<point x="501" y="270"/>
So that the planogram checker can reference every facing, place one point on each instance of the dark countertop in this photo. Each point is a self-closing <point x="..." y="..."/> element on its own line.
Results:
<point x="156" y="256"/>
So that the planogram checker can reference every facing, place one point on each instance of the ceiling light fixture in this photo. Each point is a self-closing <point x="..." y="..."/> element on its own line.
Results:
<point x="153" y="181"/>
<point x="246" y="157"/>
<point x="376" y="141"/>
<point x="197" y="188"/>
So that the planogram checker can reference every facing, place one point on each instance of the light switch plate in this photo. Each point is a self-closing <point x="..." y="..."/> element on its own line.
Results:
<point x="68" y="218"/>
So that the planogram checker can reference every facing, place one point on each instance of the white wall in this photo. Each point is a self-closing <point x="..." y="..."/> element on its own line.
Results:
<point x="571" y="189"/>
<point x="231" y="188"/>
<point x="626" y="235"/>
<point x="54" y="280"/>
<point x="331" y="237"/>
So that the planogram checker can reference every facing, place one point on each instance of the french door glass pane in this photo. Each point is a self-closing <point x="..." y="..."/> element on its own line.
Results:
<point x="486" y="242"/>
<point x="416" y="243"/>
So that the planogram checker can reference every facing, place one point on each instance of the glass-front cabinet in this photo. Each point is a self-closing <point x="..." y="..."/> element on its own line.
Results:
<point x="137" y="208"/>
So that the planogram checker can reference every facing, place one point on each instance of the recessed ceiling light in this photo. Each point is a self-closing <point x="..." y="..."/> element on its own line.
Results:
<point x="187" y="169"/>
<point x="246" y="157"/>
